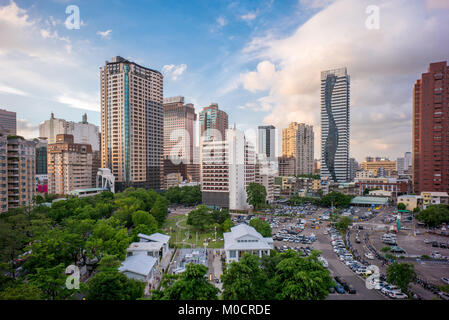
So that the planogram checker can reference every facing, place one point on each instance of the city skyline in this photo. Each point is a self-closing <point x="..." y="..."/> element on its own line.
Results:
<point x="253" y="72"/>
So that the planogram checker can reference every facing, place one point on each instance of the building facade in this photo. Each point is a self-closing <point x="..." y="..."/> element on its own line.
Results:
<point x="228" y="167"/>
<point x="266" y="142"/>
<point x="21" y="172"/>
<point x="213" y="123"/>
<point x="298" y="142"/>
<point x="431" y="130"/>
<point x="265" y="173"/>
<point x="179" y="138"/>
<point x="335" y="115"/>
<point x="132" y="123"/>
<point x="380" y="167"/>
<point x="69" y="165"/>
<point x="8" y="122"/>
<point x="83" y="132"/>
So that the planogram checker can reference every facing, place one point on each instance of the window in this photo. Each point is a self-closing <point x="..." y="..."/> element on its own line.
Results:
<point x="232" y="254"/>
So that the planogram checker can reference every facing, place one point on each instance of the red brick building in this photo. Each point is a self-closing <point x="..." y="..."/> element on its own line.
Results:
<point x="431" y="130"/>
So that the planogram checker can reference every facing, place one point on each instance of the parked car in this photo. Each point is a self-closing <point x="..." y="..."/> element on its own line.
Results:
<point x="435" y="244"/>
<point x="369" y="255"/>
<point x="436" y="254"/>
<point x="339" y="288"/>
<point x="443" y="295"/>
<point x="397" y="295"/>
<point x="445" y="280"/>
<point x="351" y="290"/>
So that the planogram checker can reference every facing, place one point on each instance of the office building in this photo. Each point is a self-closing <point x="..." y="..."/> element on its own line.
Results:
<point x="431" y="130"/>
<point x="379" y="166"/>
<point x="298" y="142"/>
<point x="266" y="142"/>
<point x="8" y="122"/>
<point x="69" y="165"/>
<point x="286" y="166"/>
<point x="82" y="132"/>
<point x="213" y="123"/>
<point x="335" y="101"/>
<point x="353" y="167"/>
<point x="132" y="123"/>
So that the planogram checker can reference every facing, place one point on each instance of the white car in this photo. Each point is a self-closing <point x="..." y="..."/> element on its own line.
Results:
<point x="436" y="254"/>
<point x="390" y="288"/>
<point x="445" y="280"/>
<point x="369" y="255"/>
<point x="397" y="295"/>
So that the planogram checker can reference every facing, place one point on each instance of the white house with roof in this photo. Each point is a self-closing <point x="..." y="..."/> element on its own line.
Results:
<point x="156" y="238"/>
<point x="152" y="249"/>
<point x="141" y="267"/>
<point x="245" y="239"/>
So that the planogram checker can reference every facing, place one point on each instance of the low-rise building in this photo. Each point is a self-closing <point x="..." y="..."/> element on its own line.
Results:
<point x="245" y="239"/>
<point x="433" y="197"/>
<point x="411" y="201"/>
<point x="156" y="237"/>
<point x="140" y="267"/>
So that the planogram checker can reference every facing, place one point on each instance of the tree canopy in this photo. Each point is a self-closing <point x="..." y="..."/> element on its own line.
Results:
<point x="263" y="227"/>
<point x="434" y="215"/>
<point x="401" y="274"/>
<point x="256" y="195"/>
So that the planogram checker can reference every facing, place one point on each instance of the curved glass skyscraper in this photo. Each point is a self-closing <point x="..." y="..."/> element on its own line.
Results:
<point x="335" y="124"/>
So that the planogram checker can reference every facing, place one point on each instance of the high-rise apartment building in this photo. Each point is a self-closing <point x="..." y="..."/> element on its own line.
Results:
<point x="431" y="130"/>
<point x="353" y="167"/>
<point x="21" y="172"/>
<point x="83" y="132"/>
<point x="131" y="123"/>
<point x="228" y="167"/>
<point x="298" y="142"/>
<point x="335" y="101"/>
<point x="8" y="122"/>
<point x="3" y="172"/>
<point x="266" y="142"/>
<point x="404" y="164"/>
<point x="69" y="165"/>
<point x="213" y="123"/>
<point x="179" y="138"/>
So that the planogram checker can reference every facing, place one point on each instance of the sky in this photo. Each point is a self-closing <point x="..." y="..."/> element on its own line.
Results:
<point x="260" y="60"/>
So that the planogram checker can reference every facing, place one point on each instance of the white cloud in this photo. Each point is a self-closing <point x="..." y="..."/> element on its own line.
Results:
<point x="383" y="65"/>
<point x="105" y="34"/>
<point x="316" y="3"/>
<point x="221" y="22"/>
<point x="10" y="90"/>
<point x="249" y="16"/>
<point x="26" y="129"/>
<point x="261" y="79"/>
<point x="174" y="71"/>
<point x="14" y="15"/>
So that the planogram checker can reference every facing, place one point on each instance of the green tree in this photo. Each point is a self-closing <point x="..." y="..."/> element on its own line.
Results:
<point x="245" y="280"/>
<point x="401" y="206"/>
<point x="220" y="216"/>
<point x="256" y="195"/>
<point x="338" y="199"/>
<point x="191" y="285"/>
<point x="108" y="263"/>
<point x="160" y="210"/>
<point x="21" y="292"/>
<point x="434" y="215"/>
<point x="227" y="225"/>
<point x="263" y="227"/>
<point x="200" y="218"/>
<point x="401" y="274"/>
<point x="343" y="224"/>
<point x="51" y="281"/>
<point x="301" y="278"/>
<point x="142" y="228"/>
<point x="113" y="285"/>
<point x="142" y="217"/>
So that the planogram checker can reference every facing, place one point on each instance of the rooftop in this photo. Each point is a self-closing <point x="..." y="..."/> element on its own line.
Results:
<point x="244" y="237"/>
<point x="370" y="200"/>
<point x="157" y="237"/>
<point x="139" y="264"/>
<point x="144" y="246"/>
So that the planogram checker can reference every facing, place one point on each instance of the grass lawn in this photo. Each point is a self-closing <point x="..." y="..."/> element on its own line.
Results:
<point x="177" y="228"/>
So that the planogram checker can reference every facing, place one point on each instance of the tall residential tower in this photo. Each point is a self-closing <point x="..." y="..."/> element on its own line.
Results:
<point x="131" y="123"/>
<point x="431" y="130"/>
<point x="297" y="142"/>
<point x="335" y="125"/>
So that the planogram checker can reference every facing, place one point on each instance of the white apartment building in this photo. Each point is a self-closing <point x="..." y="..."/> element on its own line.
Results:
<point x="228" y="167"/>
<point x="265" y="174"/>
<point x="83" y="132"/>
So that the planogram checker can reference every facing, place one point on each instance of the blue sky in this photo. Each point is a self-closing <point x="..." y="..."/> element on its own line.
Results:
<point x="259" y="60"/>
